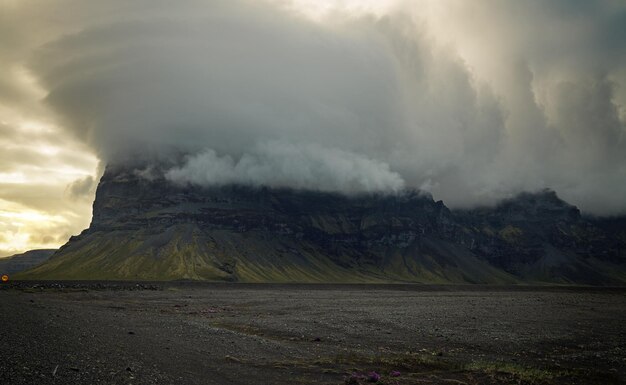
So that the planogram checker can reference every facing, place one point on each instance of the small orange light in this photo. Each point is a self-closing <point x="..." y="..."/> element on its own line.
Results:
<point x="5" y="278"/>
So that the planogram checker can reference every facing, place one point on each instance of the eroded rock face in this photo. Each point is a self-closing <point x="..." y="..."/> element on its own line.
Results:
<point x="151" y="229"/>
<point x="539" y="236"/>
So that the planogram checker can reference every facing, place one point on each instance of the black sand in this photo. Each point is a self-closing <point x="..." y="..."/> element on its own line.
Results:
<point x="179" y="333"/>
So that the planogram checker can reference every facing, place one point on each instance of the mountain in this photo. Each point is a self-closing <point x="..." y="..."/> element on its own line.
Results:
<point x="149" y="229"/>
<point x="24" y="261"/>
<point x="540" y="238"/>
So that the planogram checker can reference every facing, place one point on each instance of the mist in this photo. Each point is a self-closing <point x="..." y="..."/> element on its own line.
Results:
<point x="474" y="102"/>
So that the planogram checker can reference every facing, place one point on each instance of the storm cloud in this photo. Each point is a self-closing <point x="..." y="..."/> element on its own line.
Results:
<point x="473" y="101"/>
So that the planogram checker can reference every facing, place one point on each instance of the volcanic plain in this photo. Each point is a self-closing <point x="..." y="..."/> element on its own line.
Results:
<point x="200" y="333"/>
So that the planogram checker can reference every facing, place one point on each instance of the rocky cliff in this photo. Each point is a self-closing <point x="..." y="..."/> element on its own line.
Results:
<point x="151" y="229"/>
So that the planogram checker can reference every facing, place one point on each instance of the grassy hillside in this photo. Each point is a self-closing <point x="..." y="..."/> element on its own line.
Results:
<point x="186" y="252"/>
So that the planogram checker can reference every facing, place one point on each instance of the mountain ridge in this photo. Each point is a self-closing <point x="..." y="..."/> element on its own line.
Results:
<point x="24" y="261"/>
<point x="150" y="229"/>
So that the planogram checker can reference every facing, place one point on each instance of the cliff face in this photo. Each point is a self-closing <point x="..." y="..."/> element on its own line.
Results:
<point x="151" y="229"/>
<point x="539" y="237"/>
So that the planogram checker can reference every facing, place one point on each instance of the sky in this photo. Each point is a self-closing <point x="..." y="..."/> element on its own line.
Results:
<point x="472" y="101"/>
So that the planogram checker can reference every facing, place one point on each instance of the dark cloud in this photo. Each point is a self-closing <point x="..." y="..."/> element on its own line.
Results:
<point x="519" y="96"/>
<point x="83" y="188"/>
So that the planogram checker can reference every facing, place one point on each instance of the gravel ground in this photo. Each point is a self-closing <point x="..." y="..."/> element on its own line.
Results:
<point x="179" y="333"/>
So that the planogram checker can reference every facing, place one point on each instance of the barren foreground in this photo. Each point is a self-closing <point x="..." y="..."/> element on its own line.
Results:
<point x="77" y="333"/>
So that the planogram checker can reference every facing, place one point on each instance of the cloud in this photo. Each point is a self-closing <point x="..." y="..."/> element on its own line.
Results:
<point x="519" y="96"/>
<point x="278" y="164"/>
<point x="82" y="188"/>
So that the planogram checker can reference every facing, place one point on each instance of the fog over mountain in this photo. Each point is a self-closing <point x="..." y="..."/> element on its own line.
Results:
<point x="472" y="101"/>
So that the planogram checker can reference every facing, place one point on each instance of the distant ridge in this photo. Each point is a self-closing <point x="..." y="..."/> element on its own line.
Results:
<point x="23" y="261"/>
<point x="152" y="230"/>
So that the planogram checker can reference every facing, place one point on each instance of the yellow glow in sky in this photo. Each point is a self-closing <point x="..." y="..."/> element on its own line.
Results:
<point x="37" y="167"/>
<point x="23" y="228"/>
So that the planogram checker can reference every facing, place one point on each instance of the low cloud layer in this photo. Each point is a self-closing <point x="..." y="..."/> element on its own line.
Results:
<point x="277" y="164"/>
<point x="474" y="101"/>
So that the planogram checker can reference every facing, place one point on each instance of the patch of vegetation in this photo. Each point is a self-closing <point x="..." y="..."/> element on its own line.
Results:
<point x="357" y="367"/>
<point x="524" y="374"/>
<point x="408" y="362"/>
<point x="511" y="234"/>
<point x="387" y="368"/>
